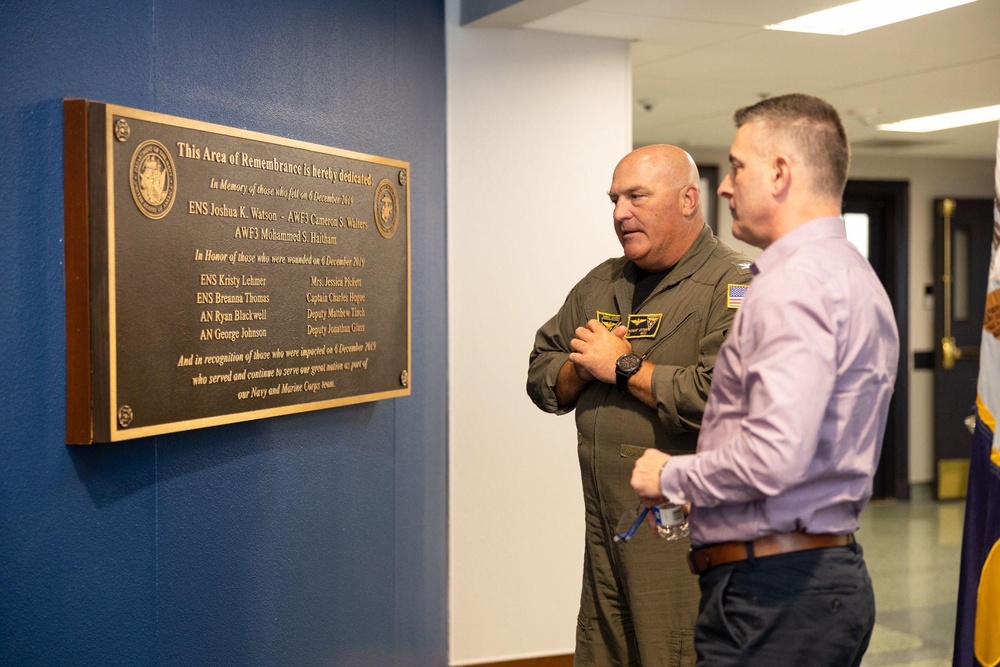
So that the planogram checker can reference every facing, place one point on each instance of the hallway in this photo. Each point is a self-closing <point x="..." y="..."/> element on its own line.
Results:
<point x="912" y="549"/>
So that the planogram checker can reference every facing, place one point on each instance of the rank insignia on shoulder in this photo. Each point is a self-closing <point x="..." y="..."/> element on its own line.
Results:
<point x="735" y="293"/>
<point x="609" y="320"/>
<point x="643" y="325"/>
<point x="743" y="266"/>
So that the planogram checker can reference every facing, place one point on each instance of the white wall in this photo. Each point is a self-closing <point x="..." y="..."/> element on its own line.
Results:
<point x="929" y="179"/>
<point x="536" y="124"/>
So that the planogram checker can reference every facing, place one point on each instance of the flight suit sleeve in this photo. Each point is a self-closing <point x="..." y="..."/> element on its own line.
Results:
<point x="551" y="351"/>
<point x="681" y="392"/>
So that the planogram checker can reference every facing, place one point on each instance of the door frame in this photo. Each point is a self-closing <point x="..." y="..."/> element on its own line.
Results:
<point x="894" y="198"/>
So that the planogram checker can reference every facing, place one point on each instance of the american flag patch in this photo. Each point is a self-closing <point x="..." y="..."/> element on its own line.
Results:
<point x="735" y="295"/>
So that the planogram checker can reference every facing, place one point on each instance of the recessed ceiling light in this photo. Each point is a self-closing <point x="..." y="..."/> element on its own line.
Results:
<point x="864" y="15"/>
<point x="944" y="121"/>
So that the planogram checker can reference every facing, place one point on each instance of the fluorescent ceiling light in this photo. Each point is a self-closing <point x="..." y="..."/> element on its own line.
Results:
<point x="944" y="121"/>
<point x="864" y="15"/>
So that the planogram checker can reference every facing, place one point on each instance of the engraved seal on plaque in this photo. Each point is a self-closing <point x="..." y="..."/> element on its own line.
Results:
<point x="386" y="208"/>
<point x="153" y="179"/>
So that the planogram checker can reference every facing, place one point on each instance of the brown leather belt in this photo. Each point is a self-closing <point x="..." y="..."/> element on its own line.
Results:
<point x="704" y="558"/>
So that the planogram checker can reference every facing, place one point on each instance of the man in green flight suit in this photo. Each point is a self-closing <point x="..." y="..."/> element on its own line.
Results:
<point x="632" y="351"/>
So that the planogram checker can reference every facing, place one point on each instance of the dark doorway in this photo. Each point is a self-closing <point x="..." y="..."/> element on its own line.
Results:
<point x="877" y="214"/>
<point x="963" y="234"/>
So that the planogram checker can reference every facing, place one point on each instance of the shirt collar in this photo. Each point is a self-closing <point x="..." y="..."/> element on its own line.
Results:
<point x="810" y="232"/>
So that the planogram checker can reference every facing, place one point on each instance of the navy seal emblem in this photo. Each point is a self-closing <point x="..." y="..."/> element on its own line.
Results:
<point x="386" y="208"/>
<point x="153" y="179"/>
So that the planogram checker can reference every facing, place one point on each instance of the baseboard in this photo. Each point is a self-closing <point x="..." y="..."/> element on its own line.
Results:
<point x="549" y="661"/>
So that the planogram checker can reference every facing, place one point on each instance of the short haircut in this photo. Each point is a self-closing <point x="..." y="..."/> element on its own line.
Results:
<point x="815" y="128"/>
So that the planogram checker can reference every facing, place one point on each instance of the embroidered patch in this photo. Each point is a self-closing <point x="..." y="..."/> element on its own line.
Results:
<point x="735" y="295"/>
<point x="609" y="320"/>
<point x="643" y="325"/>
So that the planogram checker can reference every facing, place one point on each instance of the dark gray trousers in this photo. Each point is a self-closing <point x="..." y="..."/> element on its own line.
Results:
<point x="811" y="608"/>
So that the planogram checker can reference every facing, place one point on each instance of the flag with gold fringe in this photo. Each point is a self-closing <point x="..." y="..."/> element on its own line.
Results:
<point x="977" y="629"/>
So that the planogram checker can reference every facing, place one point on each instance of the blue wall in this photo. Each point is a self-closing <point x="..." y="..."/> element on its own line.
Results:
<point x="313" y="539"/>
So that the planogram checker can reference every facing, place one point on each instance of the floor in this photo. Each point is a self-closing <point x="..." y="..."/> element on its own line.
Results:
<point x="912" y="550"/>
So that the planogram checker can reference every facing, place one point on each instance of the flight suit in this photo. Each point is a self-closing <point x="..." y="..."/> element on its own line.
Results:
<point x="639" y="601"/>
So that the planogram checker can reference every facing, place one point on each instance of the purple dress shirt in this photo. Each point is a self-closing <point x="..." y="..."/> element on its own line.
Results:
<point x="793" y="427"/>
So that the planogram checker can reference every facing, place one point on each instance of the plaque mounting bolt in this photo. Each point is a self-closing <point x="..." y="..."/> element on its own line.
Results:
<point x="122" y="130"/>
<point x="125" y="416"/>
<point x="404" y="379"/>
<point x="402" y="177"/>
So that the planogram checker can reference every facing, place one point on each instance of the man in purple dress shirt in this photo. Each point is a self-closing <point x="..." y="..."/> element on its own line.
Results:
<point x="793" y="428"/>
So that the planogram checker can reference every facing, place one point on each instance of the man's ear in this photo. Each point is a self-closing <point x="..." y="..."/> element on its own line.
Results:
<point x="781" y="175"/>
<point x="690" y="199"/>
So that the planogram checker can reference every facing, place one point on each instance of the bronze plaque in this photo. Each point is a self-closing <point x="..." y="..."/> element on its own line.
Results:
<point x="216" y="275"/>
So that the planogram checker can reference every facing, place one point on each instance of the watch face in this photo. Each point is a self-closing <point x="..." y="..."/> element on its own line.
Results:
<point x="629" y="363"/>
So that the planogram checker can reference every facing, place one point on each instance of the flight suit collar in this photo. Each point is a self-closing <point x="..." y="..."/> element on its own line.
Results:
<point x="693" y="259"/>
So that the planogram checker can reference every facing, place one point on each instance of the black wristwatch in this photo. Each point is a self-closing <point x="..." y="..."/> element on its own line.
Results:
<point x="626" y="366"/>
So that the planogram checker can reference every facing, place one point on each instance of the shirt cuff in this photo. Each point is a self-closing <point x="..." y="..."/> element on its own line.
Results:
<point x="672" y="478"/>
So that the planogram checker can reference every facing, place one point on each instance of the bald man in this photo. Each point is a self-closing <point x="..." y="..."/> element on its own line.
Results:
<point x="632" y="351"/>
